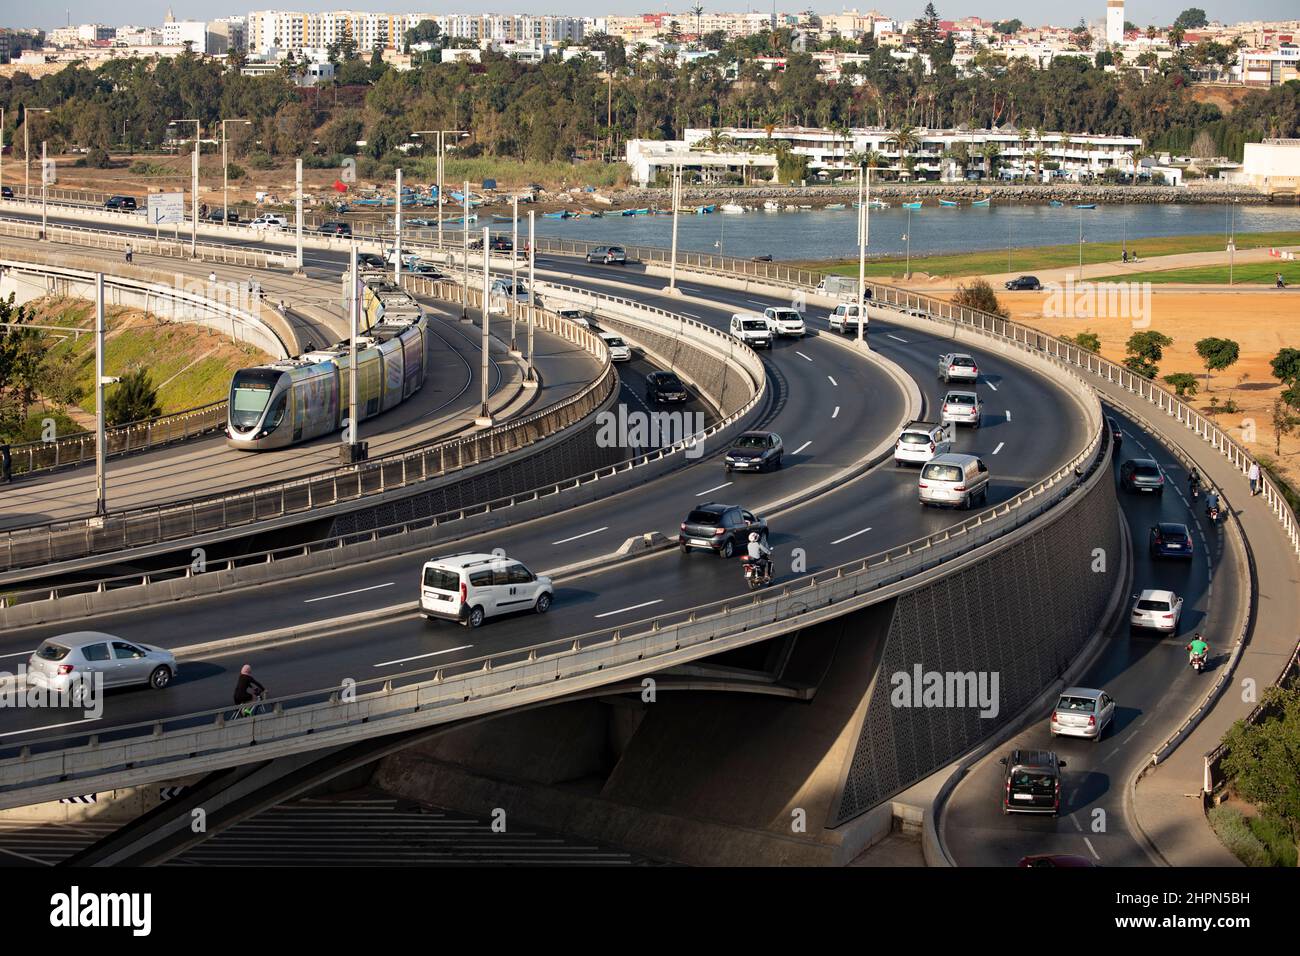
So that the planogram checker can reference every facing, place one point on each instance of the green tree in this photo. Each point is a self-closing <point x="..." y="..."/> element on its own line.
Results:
<point x="1193" y="18"/>
<point x="978" y="294"/>
<point x="1088" y="340"/>
<point x="1263" y="759"/>
<point x="1144" y="350"/>
<point x="1184" y="384"/>
<point x="1286" y="369"/>
<point x="1217" y="355"/>
<point x="133" y="399"/>
<point x="927" y="29"/>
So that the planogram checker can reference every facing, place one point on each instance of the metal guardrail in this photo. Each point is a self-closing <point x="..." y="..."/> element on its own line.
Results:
<point x="143" y="244"/>
<point x="65" y="540"/>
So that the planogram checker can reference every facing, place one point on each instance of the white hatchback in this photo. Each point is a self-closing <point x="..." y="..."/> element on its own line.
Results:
<point x="1156" y="611"/>
<point x="962" y="408"/>
<point x="471" y="587"/>
<point x="269" y="221"/>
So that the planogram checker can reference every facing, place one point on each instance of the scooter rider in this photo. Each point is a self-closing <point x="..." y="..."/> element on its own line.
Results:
<point x="760" y="554"/>
<point x="1197" y="648"/>
<point x="1212" y="504"/>
<point x="1194" y="482"/>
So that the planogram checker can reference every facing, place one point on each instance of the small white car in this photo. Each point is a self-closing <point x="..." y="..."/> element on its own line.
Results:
<point x="962" y="408"/>
<point x="502" y="291"/>
<point x="1082" y="712"/>
<point x="785" y="321"/>
<point x="845" y="317"/>
<point x="1155" y="610"/>
<point x="921" y="441"/>
<point x="618" y="349"/>
<point x="270" y="221"/>
<point x="577" y="316"/>
<point x="752" y="329"/>
<point x="471" y="587"/>
<point x="958" y="366"/>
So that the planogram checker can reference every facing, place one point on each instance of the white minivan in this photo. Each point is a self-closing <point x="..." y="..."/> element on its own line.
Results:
<point x="844" y="318"/>
<point x="752" y="329"/>
<point x="955" y="480"/>
<point x="471" y="587"/>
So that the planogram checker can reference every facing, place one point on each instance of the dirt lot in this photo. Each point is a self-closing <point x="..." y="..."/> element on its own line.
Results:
<point x="1260" y="322"/>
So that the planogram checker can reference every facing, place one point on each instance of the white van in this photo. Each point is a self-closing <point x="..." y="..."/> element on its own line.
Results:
<point x="955" y="480"/>
<point x="785" y="321"/>
<point x="618" y="350"/>
<point x="471" y="587"/>
<point x="752" y="329"/>
<point x="844" y="318"/>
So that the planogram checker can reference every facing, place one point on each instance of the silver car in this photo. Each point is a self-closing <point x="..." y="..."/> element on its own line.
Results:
<point x="958" y="365"/>
<point x="962" y="408"/>
<point x="1082" y="712"/>
<point x="65" y="665"/>
<point x="1156" y="611"/>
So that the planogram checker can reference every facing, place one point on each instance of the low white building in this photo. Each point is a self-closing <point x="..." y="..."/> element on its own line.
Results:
<point x="1272" y="166"/>
<point x="649" y="157"/>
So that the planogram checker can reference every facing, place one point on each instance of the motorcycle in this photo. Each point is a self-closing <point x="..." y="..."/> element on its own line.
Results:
<point x="1212" y="510"/>
<point x="758" y="574"/>
<point x="1197" y="662"/>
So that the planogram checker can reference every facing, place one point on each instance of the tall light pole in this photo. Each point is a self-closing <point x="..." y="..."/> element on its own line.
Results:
<point x="194" y="188"/>
<point x="27" y="152"/>
<point x="907" y="270"/>
<point x="45" y="182"/>
<point x="225" y="171"/>
<point x="863" y="227"/>
<point x="1080" y="245"/>
<point x="353" y="322"/>
<point x="484" y="415"/>
<point x="1232" y="242"/>
<point x="397" y="241"/>
<point x="464" y="302"/>
<point x="514" y="272"/>
<point x="297" y="215"/>
<point x="677" y="202"/>
<point x="442" y="135"/>
<point x="101" y="472"/>
<point x="530" y="379"/>
<point x="2" y="147"/>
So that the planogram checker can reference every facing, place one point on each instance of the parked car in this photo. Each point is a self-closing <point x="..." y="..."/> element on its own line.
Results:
<point x="1155" y="610"/>
<point x="754" y="451"/>
<point x="752" y="329"/>
<point x="335" y="227"/>
<point x="722" y="529"/>
<point x="785" y="321"/>
<point x="120" y="203"/>
<point x="922" y="441"/>
<point x="664" y="388"/>
<point x="960" y="366"/>
<point x="269" y="221"/>
<point x="1142" y="474"/>
<point x="954" y="479"/>
<point x="609" y="255"/>
<point x="961" y="408"/>
<point x="1082" y="712"/>
<point x="618" y="349"/>
<point x="1032" y="782"/>
<point x="1024" y="284"/>
<point x="496" y="243"/>
<point x="1169" y="539"/>
<point x="471" y="587"/>
<point x="67" y="665"/>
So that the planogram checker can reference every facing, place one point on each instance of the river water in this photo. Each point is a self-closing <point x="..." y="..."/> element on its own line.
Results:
<point x="832" y="234"/>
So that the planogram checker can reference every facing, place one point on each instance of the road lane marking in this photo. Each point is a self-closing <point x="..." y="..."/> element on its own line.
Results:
<point x="895" y="338"/>
<point x="1008" y="414"/>
<point x="755" y="302"/>
<point x="801" y="448"/>
<point x="995" y="450"/>
<point x="634" y="607"/>
<point x="801" y="355"/>
<point x="19" y="654"/>
<point x="583" y="535"/>
<point x="836" y="413"/>
<point x="848" y="536"/>
<point x="375" y="587"/>
<point x="690" y="315"/>
<point x="715" y="488"/>
<point x="69" y="723"/>
<point x="1091" y="848"/>
<point x="420" y="657"/>
<point x="833" y="382"/>
<point x="991" y="385"/>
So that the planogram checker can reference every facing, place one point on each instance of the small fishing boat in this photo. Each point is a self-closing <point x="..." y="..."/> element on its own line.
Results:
<point x="981" y="202"/>
<point x="948" y="203"/>
<point x="771" y="206"/>
<point x="912" y="205"/>
<point x="496" y="218"/>
<point x="733" y="209"/>
<point x="705" y="210"/>
<point x="1055" y="203"/>
<point x="1085" y="205"/>
<point x="641" y="212"/>
<point x="805" y="205"/>
<point x="561" y="214"/>
<point x="836" y="206"/>
<point x="593" y="214"/>
<point x="877" y="204"/>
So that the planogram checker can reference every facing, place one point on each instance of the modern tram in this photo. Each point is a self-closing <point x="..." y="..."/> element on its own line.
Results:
<point x="295" y="400"/>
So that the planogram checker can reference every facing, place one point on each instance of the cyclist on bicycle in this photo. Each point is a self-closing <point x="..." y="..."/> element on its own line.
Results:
<point x="247" y="689"/>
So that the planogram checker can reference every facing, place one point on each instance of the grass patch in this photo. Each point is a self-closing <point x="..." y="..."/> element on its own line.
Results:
<point x="1252" y="273"/>
<point x="142" y="168"/>
<point x="1234" y="831"/>
<point x="1029" y="259"/>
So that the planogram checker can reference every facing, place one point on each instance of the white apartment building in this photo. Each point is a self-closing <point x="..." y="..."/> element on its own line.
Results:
<point x="649" y="157"/>
<point x="279" y="29"/>
<point x="85" y="34"/>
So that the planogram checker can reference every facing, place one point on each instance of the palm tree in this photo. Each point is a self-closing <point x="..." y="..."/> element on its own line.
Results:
<point x="904" y="139"/>
<point x="992" y="154"/>
<point x="1038" y="155"/>
<point x="698" y="9"/>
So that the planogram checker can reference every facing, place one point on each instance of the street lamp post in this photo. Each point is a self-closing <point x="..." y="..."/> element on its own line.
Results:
<point x="530" y="379"/>
<point x="484" y="419"/>
<point x="863" y="234"/>
<point x="442" y="135"/>
<point x="397" y="222"/>
<point x="677" y="202"/>
<point x="464" y="302"/>
<point x="27" y="153"/>
<point x="514" y="272"/>
<point x="1232" y="242"/>
<point x="101" y="472"/>
<point x="2" y="147"/>
<point x="225" y="171"/>
<point x="45" y="182"/>
<point x="907" y="270"/>
<point x="194" y="188"/>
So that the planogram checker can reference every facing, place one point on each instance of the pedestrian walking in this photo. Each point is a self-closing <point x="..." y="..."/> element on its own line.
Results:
<point x="1281" y="283"/>
<point x="1125" y="255"/>
<point x="212" y="277"/>
<point x="128" y="253"/>
<point x="1253" y="475"/>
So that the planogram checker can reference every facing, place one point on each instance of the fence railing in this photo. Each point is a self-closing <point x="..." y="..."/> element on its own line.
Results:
<point x="144" y="244"/>
<point x="67" y="540"/>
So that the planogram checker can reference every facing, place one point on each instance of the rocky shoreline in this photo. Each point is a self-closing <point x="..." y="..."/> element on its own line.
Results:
<point x="1210" y="194"/>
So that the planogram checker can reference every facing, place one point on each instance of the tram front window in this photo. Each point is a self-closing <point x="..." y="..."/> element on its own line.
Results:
<point x="249" y="394"/>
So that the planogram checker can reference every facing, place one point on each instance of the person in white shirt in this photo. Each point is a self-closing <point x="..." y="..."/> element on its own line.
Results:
<point x="1253" y="475"/>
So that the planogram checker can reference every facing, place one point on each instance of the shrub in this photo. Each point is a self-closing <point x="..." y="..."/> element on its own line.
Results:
<point x="235" y="171"/>
<point x="261" y="160"/>
<point x="1234" y="832"/>
<point x="978" y="294"/>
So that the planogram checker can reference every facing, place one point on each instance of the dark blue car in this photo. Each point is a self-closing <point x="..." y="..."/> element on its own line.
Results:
<point x="1170" y="540"/>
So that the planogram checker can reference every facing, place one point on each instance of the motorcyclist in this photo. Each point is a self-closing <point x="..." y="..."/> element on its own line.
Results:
<point x="247" y="689"/>
<point x="760" y="554"/>
<point x="1197" y="647"/>
<point x="1211" y="504"/>
<point x="1193" y="482"/>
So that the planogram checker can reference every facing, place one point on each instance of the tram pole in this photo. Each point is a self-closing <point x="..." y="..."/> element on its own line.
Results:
<point x="484" y="419"/>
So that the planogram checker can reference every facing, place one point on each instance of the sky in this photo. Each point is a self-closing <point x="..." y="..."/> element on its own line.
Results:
<point x="14" y="13"/>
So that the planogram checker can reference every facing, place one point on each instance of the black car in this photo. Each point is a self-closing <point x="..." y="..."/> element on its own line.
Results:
<point x="1024" y="284"/>
<point x="1031" y="782"/>
<point x="120" y="203"/>
<point x="219" y="215"/>
<point x="664" y="388"/>
<point x="1116" y="433"/>
<point x="1169" y="539"/>
<point x="1141" y="474"/>
<point x="426" y="270"/>
<point x="495" y="244"/>
<point x="6" y="193"/>
<point x="722" y="529"/>
<point x="335" y="228"/>
<point x="609" y="255"/>
<point x="755" y="451"/>
<point x="370" y="260"/>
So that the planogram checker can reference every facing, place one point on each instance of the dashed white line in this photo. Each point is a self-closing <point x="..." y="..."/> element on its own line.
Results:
<point x="848" y="536"/>
<point x="801" y="448"/>
<point x="29" y="653"/>
<point x="634" y="607"/>
<point x="420" y="657"/>
<point x="583" y="535"/>
<point x="69" y="723"/>
<point x="833" y="382"/>
<point x="690" y="315"/>
<point x="715" y="488"/>
<point x="1008" y="414"/>
<point x="1091" y="849"/>
<point x="836" y="413"/>
<point x="327" y="597"/>
<point x="895" y="338"/>
<point x="991" y="385"/>
<point x="755" y="302"/>
<point x="999" y="448"/>
<point x="801" y="355"/>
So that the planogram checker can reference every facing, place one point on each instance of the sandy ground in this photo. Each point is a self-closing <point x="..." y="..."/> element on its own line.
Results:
<point x="1260" y="322"/>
